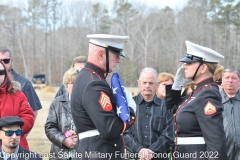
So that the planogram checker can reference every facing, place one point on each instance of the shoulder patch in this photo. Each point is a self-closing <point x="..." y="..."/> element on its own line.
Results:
<point x="105" y="102"/>
<point x="209" y="109"/>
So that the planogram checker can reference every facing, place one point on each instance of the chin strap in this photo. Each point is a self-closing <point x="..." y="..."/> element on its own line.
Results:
<point x="197" y="70"/>
<point x="107" y="61"/>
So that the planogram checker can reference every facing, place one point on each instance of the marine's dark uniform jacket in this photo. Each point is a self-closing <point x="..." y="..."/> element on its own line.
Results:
<point x="90" y="113"/>
<point x="199" y="115"/>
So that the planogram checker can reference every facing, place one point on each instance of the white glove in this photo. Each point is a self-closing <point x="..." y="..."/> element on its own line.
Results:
<point x="180" y="80"/>
<point x="131" y="102"/>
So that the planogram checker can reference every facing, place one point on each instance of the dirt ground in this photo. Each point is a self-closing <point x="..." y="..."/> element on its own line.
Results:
<point x="37" y="140"/>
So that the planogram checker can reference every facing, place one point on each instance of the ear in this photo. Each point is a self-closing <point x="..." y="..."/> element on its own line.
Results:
<point x="101" y="54"/>
<point x="204" y="68"/>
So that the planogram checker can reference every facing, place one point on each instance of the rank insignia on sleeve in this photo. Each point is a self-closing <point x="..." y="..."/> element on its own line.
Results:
<point x="209" y="109"/>
<point x="105" y="102"/>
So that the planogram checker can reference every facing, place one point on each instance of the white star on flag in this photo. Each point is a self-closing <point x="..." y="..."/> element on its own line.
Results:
<point x="114" y="90"/>
<point x="124" y="90"/>
<point x="119" y="92"/>
<point x="119" y="110"/>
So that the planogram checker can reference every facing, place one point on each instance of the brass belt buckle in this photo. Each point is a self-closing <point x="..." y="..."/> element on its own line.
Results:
<point x="175" y="141"/>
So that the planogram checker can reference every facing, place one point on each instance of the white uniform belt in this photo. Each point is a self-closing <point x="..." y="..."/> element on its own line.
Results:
<point x="89" y="133"/>
<point x="189" y="140"/>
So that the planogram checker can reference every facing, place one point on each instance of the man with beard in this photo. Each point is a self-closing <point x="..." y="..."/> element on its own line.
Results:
<point x="10" y="132"/>
<point x="152" y="135"/>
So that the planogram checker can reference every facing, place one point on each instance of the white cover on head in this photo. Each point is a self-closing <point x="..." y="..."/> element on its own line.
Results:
<point x="208" y="54"/>
<point x="105" y="40"/>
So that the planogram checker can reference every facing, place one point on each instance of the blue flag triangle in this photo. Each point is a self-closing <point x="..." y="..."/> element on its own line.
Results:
<point x="121" y="98"/>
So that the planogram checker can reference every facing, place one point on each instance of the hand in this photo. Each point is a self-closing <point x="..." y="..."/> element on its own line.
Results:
<point x="145" y="154"/>
<point x="71" y="141"/>
<point x="161" y="91"/>
<point x="180" y="79"/>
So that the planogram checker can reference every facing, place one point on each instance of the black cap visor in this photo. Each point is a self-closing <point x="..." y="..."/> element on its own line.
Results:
<point x="116" y="51"/>
<point x="191" y="58"/>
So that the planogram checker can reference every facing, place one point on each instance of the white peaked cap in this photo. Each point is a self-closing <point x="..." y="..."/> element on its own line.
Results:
<point x="106" y="40"/>
<point x="204" y="53"/>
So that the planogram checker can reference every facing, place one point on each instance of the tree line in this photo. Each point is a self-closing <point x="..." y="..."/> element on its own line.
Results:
<point x="46" y="35"/>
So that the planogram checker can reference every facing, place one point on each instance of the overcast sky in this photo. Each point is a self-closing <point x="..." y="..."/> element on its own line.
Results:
<point x="174" y="4"/>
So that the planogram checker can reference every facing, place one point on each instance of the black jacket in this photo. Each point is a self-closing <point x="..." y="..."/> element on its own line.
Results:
<point x="93" y="107"/>
<point x="58" y="121"/>
<point x="200" y="115"/>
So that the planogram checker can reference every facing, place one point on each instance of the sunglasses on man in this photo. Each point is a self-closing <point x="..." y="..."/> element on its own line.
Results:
<point x="6" y="61"/>
<point x="10" y="133"/>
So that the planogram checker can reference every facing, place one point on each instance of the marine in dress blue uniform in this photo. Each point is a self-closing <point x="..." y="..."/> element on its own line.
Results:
<point x="93" y="104"/>
<point x="198" y="116"/>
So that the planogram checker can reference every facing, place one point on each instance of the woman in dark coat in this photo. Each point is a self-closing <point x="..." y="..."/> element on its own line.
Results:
<point x="59" y="127"/>
<point x="198" y="116"/>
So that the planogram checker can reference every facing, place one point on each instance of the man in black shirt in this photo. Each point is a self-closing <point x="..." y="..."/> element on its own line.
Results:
<point x="153" y="133"/>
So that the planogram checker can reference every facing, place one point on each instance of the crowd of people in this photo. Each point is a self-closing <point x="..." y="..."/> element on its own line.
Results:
<point x="192" y="115"/>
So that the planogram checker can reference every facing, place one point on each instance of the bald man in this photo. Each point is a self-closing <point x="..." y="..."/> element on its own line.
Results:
<point x="93" y="104"/>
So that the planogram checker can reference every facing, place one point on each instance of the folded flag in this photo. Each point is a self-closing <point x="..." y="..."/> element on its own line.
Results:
<point x="119" y="92"/>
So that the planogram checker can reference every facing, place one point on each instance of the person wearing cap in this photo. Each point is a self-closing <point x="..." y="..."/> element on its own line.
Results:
<point x="164" y="79"/>
<point x="198" y="117"/>
<point x="10" y="132"/>
<point x="93" y="104"/>
<point x="231" y="101"/>
<point x="78" y="62"/>
<point x="13" y="102"/>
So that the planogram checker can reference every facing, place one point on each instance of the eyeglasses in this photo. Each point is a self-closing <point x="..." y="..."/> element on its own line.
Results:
<point x="218" y="82"/>
<point x="2" y="72"/>
<point x="6" y="61"/>
<point x="10" y="133"/>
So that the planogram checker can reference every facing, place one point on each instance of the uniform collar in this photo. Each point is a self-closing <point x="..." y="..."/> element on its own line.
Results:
<point x="140" y="99"/>
<point x="203" y="83"/>
<point x="96" y="69"/>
